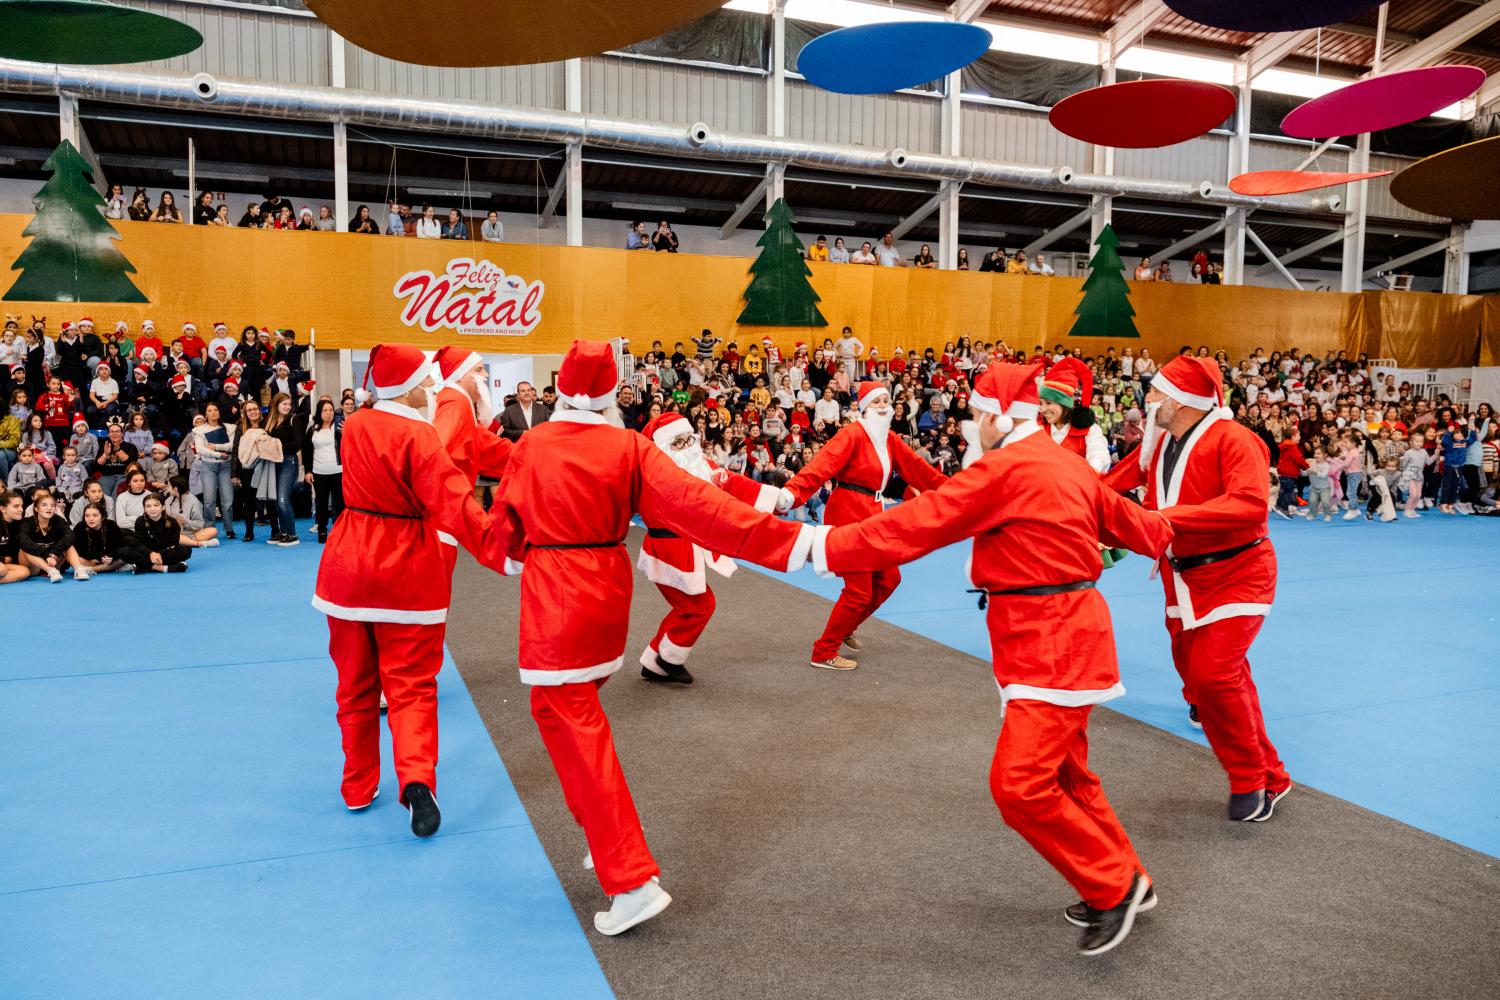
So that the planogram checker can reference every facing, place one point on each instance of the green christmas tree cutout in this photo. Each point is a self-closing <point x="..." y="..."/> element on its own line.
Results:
<point x="1105" y="310"/>
<point x="779" y="293"/>
<point x="72" y="256"/>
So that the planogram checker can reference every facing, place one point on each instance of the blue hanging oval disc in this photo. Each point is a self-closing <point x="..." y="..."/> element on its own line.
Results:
<point x="880" y="58"/>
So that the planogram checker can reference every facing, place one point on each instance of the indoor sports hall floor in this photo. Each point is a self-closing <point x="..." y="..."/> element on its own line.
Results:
<point x="170" y="824"/>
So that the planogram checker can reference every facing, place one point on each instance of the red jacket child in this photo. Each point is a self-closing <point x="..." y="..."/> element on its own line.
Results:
<point x="1290" y="462"/>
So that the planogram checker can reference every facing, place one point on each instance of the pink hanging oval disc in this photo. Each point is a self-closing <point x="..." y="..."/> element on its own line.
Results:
<point x="1264" y="183"/>
<point x="1383" y="102"/>
<point x="1143" y="114"/>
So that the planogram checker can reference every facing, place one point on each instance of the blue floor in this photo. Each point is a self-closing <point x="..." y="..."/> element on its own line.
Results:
<point x="170" y="823"/>
<point x="1377" y="667"/>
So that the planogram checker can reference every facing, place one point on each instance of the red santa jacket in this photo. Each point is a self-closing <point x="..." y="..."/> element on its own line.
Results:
<point x="1036" y="515"/>
<point x="576" y="481"/>
<point x="1217" y="500"/>
<point x="383" y="561"/>
<point x="852" y="457"/>
<point x="677" y="562"/>
<point x="475" y="450"/>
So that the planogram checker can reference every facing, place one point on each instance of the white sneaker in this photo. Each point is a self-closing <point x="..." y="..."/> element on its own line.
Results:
<point x="212" y="543"/>
<point x="631" y="908"/>
<point x="54" y="575"/>
<point x="588" y="861"/>
<point x="1412" y="514"/>
<point x="1464" y="508"/>
<point x="1327" y="518"/>
<point x="1352" y="515"/>
<point x="83" y="573"/>
<point x="1387" y="518"/>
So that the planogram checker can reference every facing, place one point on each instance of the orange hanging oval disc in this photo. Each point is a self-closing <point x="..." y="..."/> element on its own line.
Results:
<point x="1458" y="183"/>
<point x="1143" y="114"/>
<point x="1264" y="183"/>
<point x="502" y="32"/>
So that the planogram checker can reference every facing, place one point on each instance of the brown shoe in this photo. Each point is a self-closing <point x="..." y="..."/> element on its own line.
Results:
<point x="835" y="662"/>
<point x="853" y="643"/>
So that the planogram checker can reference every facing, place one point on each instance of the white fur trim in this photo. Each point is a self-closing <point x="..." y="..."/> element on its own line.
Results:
<point x="573" y="675"/>
<point x="664" y="574"/>
<point x="447" y="539"/>
<point x="399" y="616"/>
<point x="1021" y="432"/>
<point x="1061" y="696"/>
<point x="1020" y="411"/>
<point x="400" y="410"/>
<point x="1160" y="381"/>
<point x="588" y="404"/>
<point x="819" y="551"/>
<point x="882" y="453"/>
<point x="513" y="568"/>
<point x="801" y="549"/>
<point x="1167" y="493"/>
<point x="415" y="379"/>
<point x="765" y="499"/>
<point x="666" y="432"/>
<point x="465" y="366"/>
<point x="648" y="660"/>
<point x="673" y="653"/>
<point x="870" y="397"/>
<point x="984" y="404"/>
<point x="568" y="416"/>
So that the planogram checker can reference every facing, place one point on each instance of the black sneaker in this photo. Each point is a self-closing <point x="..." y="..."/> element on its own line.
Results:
<point x="290" y="539"/>
<point x="1107" y="928"/>
<point x="322" y="536"/>
<point x="229" y="534"/>
<point x="177" y="568"/>
<point x="673" y="673"/>
<point x="1193" y="719"/>
<point x="1078" y="913"/>
<point x="422" y="804"/>
<point x="1246" y="807"/>
<point x="249" y="537"/>
<point x="275" y="540"/>
<point x="1271" y="799"/>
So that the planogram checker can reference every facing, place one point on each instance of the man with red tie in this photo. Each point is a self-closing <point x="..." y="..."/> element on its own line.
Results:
<point x="570" y="489"/>
<point x="384" y="585"/>
<point x="1208" y="476"/>
<point x="859" y="461"/>
<point x="678" y="566"/>
<point x="1036" y="515"/>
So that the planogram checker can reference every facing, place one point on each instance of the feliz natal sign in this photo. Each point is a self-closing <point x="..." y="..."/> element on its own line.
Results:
<point x="471" y="297"/>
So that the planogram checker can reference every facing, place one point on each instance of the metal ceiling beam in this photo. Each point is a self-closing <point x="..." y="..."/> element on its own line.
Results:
<point x="1207" y="232"/>
<point x="968" y="11"/>
<point x="1266" y="53"/>
<point x="745" y="207"/>
<point x="1272" y="259"/>
<point x="1132" y="27"/>
<point x="1306" y="250"/>
<point x="1406" y="38"/>
<point x="922" y="212"/>
<point x="554" y="198"/>
<point x="1432" y="48"/>
<point x="1058" y="231"/>
<point x="1441" y="246"/>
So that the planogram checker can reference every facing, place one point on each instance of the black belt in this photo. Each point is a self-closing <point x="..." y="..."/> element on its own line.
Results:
<point x="1055" y="588"/>
<point x="381" y="513"/>
<point x="1208" y="558"/>
<point x="577" y="545"/>
<point x="840" y="484"/>
<point x="661" y="533"/>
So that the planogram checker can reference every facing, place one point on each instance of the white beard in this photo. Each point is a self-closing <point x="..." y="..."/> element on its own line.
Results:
<point x="879" y="425"/>
<point x="691" y="461"/>
<point x="1150" y="436"/>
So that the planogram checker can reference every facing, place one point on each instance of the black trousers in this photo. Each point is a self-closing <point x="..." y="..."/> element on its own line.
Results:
<point x="1470" y="492"/>
<point x="328" y="497"/>
<point x="140" y="557"/>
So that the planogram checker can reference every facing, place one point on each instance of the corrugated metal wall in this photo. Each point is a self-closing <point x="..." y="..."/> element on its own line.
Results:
<point x="989" y="132"/>
<point x="645" y="89"/>
<point x="1205" y="158"/>
<point x="534" y="86"/>
<point x="249" y="44"/>
<point x="884" y="120"/>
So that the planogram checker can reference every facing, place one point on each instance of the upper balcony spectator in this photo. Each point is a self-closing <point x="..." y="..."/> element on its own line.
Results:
<point x="819" y="249"/>
<point x="863" y="255"/>
<point x="636" y="239"/>
<point x="221" y="216"/>
<point x="282" y="219"/>
<point x="1017" y="264"/>
<point x="840" y="253"/>
<point x="994" y="260"/>
<point x="203" y="211"/>
<point x="963" y="259"/>
<point x="326" y="223"/>
<point x="272" y="206"/>
<point x="886" y="254"/>
<point x="1164" y="272"/>
<point x="140" y="207"/>
<point x="492" y="230"/>
<point x="1039" y="265"/>
<point x="363" y="222"/>
<point x="115" y="205"/>
<point x="1144" y="271"/>
<point x="395" y="220"/>
<point x="455" y="228"/>
<point x="166" y="209"/>
<point x="664" y="239"/>
<point x="428" y="227"/>
<point x="252" y="218"/>
<point x="924" y="258"/>
<point x="305" y="221"/>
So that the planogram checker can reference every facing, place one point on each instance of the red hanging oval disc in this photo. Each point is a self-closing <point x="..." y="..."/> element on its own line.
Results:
<point x="1143" y="114"/>
<point x="1264" y="183"/>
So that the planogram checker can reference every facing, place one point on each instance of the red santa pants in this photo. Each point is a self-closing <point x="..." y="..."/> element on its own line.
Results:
<point x="680" y="629"/>
<point x="1042" y="783"/>
<point x="578" y="739"/>
<point x="403" y="661"/>
<point x="1211" y="660"/>
<point x="862" y="596"/>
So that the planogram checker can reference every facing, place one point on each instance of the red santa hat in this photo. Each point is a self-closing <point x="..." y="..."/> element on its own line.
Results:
<point x="235" y="367"/>
<point x="189" y="326"/>
<point x="148" y="350"/>
<point x="161" y="446"/>
<point x="456" y="362"/>
<point x="142" y="373"/>
<point x="1009" y="392"/>
<point x="66" y="326"/>
<point x="870" y="391"/>
<point x="666" y="427"/>
<point x="1190" y="381"/>
<point x="178" y="382"/>
<point x="396" y="369"/>
<point x="1068" y="383"/>
<point x="120" y="325"/>
<point x="102" y="368"/>
<point x="766" y="340"/>
<point x="17" y="369"/>
<point x="221" y="327"/>
<point x="232" y="383"/>
<point x="308" y="386"/>
<point x="148" y="324"/>
<point x="588" y="376"/>
<point x="282" y="366"/>
<point x="80" y="422"/>
<point x="86" y="320"/>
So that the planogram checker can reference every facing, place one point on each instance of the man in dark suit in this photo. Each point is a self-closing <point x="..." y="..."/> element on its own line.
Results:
<point x="524" y="414"/>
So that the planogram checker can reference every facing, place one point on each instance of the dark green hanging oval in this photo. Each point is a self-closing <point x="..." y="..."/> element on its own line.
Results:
<point x="89" y="32"/>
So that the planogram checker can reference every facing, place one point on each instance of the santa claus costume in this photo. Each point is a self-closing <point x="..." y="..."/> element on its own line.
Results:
<point x="1069" y="386"/>
<point x="466" y="426"/>
<point x="382" y="582"/>
<point x="565" y="504"/>
<point x="679" y="567"/>
<point x="1209" y="479"/>
<point x="859" y="461"/>
<point x="1036" y="515"/>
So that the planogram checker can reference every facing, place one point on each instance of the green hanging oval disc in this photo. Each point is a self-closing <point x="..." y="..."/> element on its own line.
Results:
<point x="89" y="31"/>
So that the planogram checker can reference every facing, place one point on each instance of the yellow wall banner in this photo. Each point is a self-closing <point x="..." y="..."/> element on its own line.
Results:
<point x="513" y="298"/>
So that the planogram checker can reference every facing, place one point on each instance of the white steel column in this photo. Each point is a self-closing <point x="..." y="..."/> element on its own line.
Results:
<point x="337" y="78"/>
<point x="776" y="99"/>
<point x="70" y="127"/>
<point x="573" y="166"/>
<point x="948" y="193"/>
<point x="1239" y="163"/>
<point x="1103" y="163"/>
<point x="1357" y="194"/>
<point x="1456" y="262"/>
